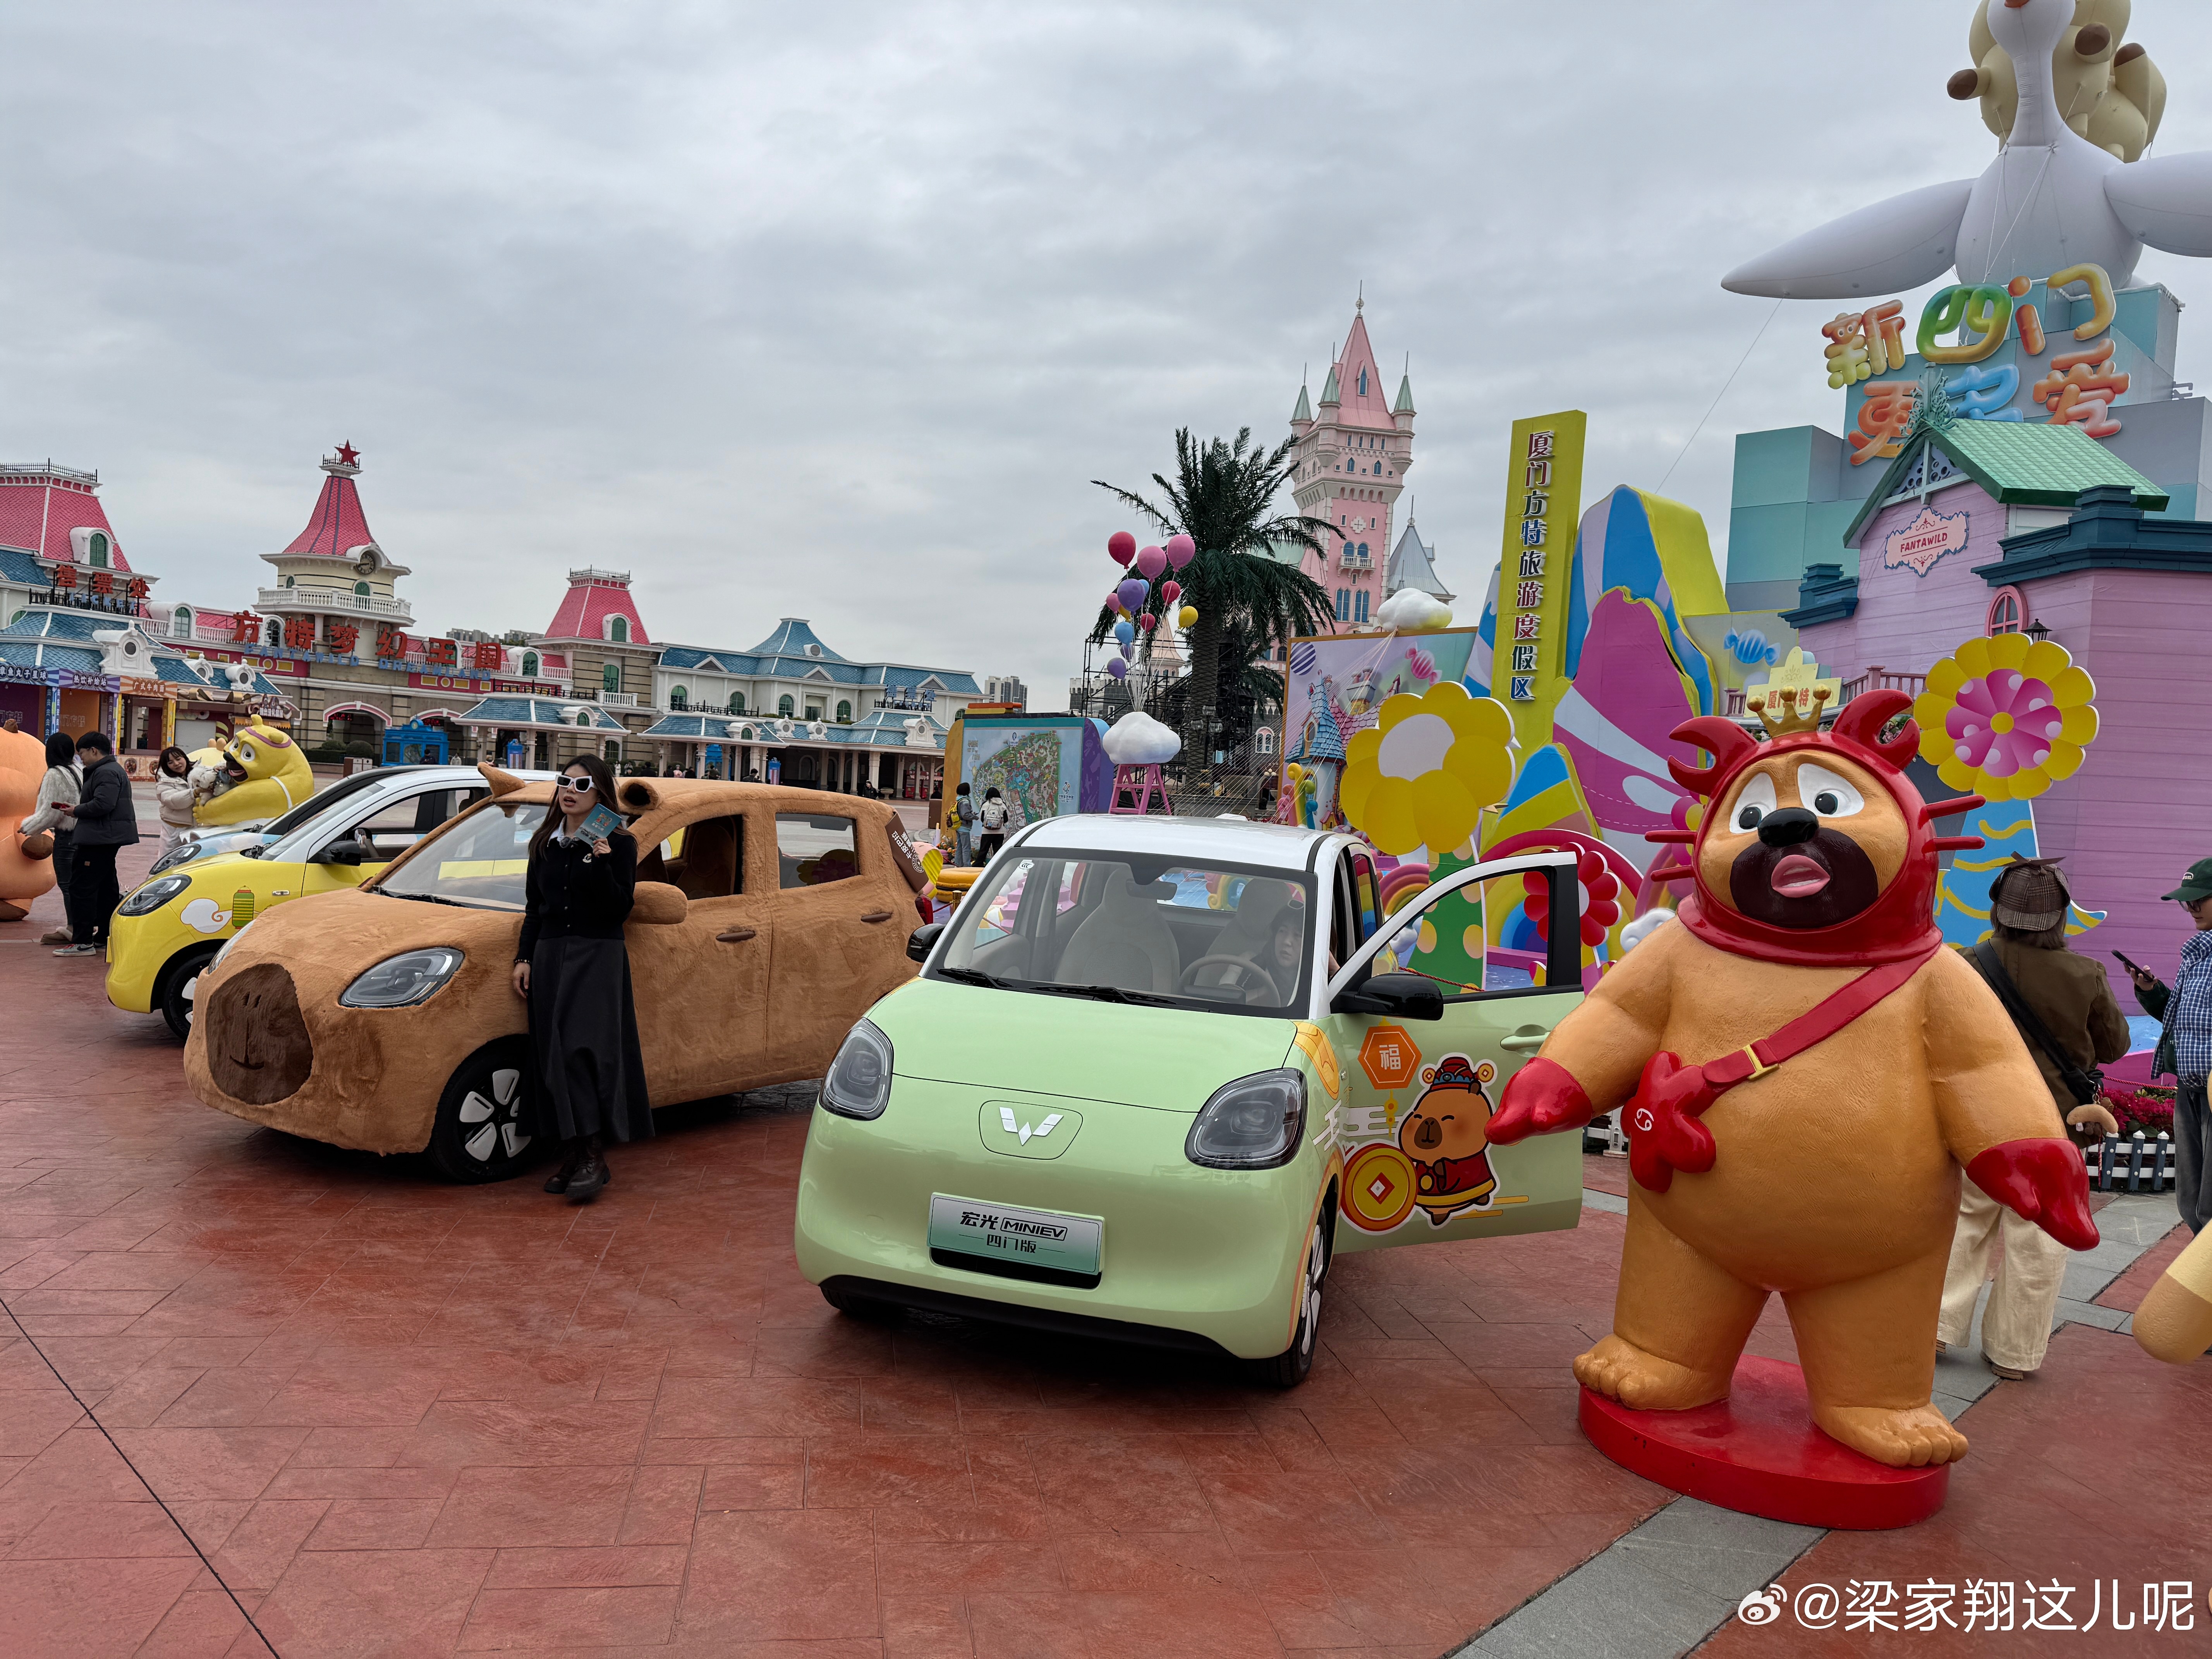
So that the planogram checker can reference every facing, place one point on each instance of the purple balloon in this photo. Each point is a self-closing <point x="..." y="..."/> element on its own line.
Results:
<point x="1116" y="667"/>
<point x="1132" y="593"/>
<point x="1151" y="561"/>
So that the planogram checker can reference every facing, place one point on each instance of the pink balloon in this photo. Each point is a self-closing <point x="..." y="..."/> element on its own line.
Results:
<point x="1132" y="593"/>
<point x="1171" y="591"/>
<point x="1148" y="622"/>
<point x="1120" y="547"/>
<point x="1180" y="550"/>
<point x="1151" y="561"/>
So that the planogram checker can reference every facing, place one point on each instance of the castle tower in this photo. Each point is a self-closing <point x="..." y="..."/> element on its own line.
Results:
<point x="1351" y="464"/>
<point x="334" y="585"/>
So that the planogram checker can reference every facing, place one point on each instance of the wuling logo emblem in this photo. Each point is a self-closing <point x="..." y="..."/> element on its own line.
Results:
<point x="1013" y="1127"/>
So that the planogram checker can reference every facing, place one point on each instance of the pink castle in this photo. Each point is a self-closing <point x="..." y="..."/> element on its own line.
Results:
<point x="1351" y="464"/>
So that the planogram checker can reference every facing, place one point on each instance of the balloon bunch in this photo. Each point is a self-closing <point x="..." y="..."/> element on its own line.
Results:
<point x="1128" y="599"/>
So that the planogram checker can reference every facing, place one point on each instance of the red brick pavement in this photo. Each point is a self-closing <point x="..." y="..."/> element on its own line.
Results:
<point x="398" y="1416"/>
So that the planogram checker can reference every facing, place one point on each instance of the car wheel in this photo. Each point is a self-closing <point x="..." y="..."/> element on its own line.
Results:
<point x="175" y="999"/>
<point x="485" y="1124"/>
<point x="860" y="1307"/>
<point x="1295" y="1363"/>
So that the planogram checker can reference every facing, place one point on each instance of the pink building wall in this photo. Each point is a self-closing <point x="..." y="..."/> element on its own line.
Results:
<point x="2140" y="810"/>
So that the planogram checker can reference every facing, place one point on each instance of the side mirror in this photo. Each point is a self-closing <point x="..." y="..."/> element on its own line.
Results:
<point x="657" y="904"/>
<point x="338" y="851"/>
<point x="921" y="942"/>
<point x="1401" y="996"/>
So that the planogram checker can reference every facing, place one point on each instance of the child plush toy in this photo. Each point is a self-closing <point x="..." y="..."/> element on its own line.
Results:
<point x="1805" y="1068"/>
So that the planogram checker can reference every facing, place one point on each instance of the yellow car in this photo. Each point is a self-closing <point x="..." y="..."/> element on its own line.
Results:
<point x="167" y="930"/>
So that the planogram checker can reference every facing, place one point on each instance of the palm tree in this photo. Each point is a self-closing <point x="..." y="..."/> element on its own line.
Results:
<point x="1222" y="498"/>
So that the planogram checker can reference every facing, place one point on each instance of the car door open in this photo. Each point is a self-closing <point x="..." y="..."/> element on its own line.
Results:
<point x="1423" y="1064"/>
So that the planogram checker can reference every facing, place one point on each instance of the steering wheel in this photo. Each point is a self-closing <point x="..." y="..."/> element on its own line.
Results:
<point x="1242" y="965"/>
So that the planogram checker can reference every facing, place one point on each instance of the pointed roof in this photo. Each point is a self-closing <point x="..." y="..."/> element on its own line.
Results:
<point x="1405" y="403"/>
<point x="1413" y="564"/>
<point x="1304" y="411"/>
<point x="1329" y="394"/>
<point x="795" y="637"/>
<point x="1364" y="402"/>
<point x="40" y="503"/>
<point x="337" y="525"/>
<point x="2019" y="463"/>
<point x="593" y="596"/>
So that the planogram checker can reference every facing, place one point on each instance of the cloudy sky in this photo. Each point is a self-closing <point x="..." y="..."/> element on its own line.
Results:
<point x="834" y="311"/>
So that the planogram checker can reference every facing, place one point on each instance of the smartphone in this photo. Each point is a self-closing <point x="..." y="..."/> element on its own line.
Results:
<point x="2125" y="964"/>
<point x="599" y="823"/>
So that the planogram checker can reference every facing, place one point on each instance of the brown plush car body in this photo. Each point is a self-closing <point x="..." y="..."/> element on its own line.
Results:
<point x="767" y="921"/>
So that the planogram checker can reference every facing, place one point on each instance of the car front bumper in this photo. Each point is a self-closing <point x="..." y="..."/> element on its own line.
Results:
<point x="1212" y="1255"/>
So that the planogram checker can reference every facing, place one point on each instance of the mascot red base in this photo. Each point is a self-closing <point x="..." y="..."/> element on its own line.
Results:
<point x="1803" y="1069"/>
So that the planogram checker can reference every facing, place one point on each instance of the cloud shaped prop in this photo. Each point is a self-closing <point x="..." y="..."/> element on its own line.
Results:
<point x="1409" y="610"/>
<point x="1138" y="739"/>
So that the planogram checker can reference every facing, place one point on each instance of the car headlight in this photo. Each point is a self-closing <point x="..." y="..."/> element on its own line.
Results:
<point x="183" y="852"/>
<point x="1253" y="1123"/>
<point x="225" y="951"/>
<point x="402" y="980"/>
<point x="153" y="896"/>
<point x="859" y="1083"/>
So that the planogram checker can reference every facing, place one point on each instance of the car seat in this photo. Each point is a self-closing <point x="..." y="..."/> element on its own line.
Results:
<point x="710" y="864"/>
<point x="1249" y="934"/>
<point x="1125" y="943"/>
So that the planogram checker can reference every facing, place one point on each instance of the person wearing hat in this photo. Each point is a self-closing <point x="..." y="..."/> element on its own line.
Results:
<point x="2185" y="1046"/>
<point x="2073" y="1024"/>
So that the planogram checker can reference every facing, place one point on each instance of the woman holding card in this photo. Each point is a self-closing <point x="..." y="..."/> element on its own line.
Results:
<point x="572" y="969"/>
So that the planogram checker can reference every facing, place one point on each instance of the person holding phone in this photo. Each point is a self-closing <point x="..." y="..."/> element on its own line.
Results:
<point x="2185" y="1046"/>
<point x="572" y="969"/>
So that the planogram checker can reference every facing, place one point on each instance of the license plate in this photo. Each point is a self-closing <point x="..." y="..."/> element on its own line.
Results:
<point x="1000" y="1232"/>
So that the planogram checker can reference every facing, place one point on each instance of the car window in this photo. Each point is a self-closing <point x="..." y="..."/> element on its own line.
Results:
<point x="480" y="860"/>
<point x="341" y="790"/>
<point x="1224" y="938"/>
<point x="815" y="849"/>
<point x="705" y="859"/>
<point x="396" y="825"/>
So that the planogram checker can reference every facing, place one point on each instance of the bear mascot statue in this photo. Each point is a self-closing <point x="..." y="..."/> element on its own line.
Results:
<point x="22" y="877"/>
<point x="1803" y="1069"/>
<point x="259" y="775"/>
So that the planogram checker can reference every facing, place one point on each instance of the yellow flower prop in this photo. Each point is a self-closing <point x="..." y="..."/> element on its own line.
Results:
<point x="2006" y="717"/>
<point x="1422" y="773"/>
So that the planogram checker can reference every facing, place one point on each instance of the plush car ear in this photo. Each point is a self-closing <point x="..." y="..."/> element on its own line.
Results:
<point x="657" y="904"/>
<point x="503" y="784"/>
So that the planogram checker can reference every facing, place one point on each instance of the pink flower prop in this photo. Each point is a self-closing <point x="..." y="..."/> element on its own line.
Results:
<point x="2003" y="723"/>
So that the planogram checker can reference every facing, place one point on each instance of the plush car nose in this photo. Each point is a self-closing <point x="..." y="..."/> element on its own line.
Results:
<point x="1430" y="1133"/>
<point x="1787" y="826"/>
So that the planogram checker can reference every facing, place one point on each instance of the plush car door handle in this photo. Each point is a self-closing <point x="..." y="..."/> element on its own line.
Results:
<point x="1523" y="1041"/>
<point x="735" y="936"/>
<point x="877" y="915"/>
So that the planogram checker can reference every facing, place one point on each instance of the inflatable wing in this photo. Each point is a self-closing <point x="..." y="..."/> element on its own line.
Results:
<point x="1899" y="244"/>
<point x="2166" y="202"/>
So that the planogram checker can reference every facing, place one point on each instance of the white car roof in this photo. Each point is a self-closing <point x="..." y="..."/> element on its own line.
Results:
<point x="1229" y="841"/>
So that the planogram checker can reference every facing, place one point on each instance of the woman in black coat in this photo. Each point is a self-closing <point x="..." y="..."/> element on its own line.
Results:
<point x="574" y="971"/>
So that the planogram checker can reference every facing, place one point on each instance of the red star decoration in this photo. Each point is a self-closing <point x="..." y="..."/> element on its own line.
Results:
<point x="348" y="453"/>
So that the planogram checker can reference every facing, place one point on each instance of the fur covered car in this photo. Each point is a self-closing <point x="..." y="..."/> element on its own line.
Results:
<point x="382" y="1017"/>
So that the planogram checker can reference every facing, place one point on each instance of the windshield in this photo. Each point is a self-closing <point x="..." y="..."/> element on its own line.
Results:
<point x="479" y="858"/>
<point x="1121" y="927"/>
<point x="315" y="806"/>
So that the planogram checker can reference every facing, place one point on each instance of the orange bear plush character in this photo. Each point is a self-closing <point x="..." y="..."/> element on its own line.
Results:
<point x="22" y="878"/>
<point x="1805" y="1070"/>
<point x="1444" y="1135"/>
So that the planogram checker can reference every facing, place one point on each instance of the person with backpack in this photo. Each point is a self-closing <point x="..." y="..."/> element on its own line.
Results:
<point x="2063" y="1005"/>
<point x="993" y="820"/>
<point x="963" y="821"/>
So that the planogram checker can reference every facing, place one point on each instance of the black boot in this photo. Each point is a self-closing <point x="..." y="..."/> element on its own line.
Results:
<point x="590" y="1176"/>
<point x="559" y="1180"/>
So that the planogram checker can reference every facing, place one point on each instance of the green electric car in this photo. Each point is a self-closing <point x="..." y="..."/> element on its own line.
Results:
<point x="1157" y="1072"/>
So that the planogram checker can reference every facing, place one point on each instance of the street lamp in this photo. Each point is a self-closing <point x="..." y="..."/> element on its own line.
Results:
<point x="2038" y="632"/>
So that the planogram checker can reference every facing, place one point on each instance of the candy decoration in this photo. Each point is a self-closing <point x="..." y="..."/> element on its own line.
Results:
<point x="1187" y="616"/>
<point x="1132" y="593"/>
<point x="1116" y="667"/>
<point x="1121" y="547"/>
<point x="1124" y="633"/>
<point x="1151" y="561"/>
<point x="1180" y="550"/>
<point x="1171" y="591"/>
